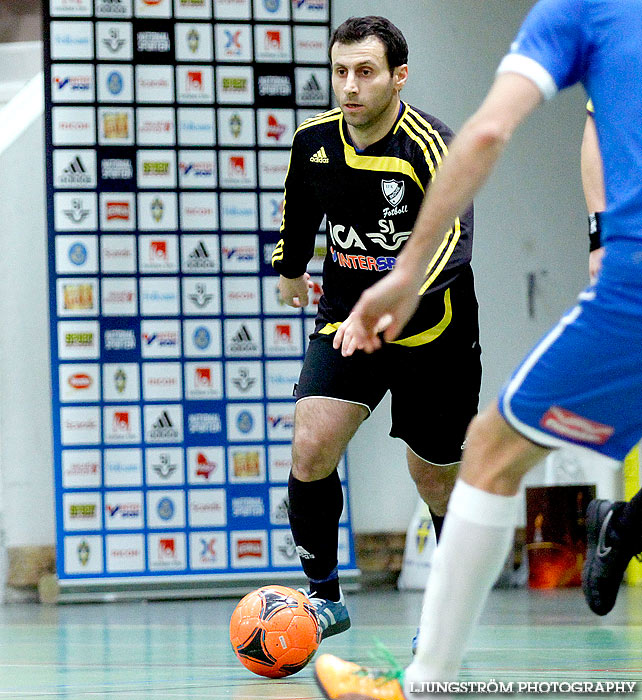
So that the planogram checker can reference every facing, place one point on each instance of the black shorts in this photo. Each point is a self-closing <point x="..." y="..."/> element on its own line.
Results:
<point x="434" y="387"/>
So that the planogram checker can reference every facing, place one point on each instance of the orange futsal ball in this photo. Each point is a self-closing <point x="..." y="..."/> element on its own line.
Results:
<point x="274" y="631"/>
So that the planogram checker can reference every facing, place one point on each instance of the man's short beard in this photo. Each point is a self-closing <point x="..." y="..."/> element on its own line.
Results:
<point x="370" y="121"/>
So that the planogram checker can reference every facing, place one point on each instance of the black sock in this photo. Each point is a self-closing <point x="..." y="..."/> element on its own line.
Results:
<point x="437" y="523"/>
<point x="626" y="523"/>
<point x="314" y="510"/>
<point x="328" y="589"/>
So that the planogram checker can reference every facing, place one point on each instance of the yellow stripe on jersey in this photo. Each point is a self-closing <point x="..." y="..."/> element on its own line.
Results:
<point x="412" y="341"/>
<point x="398" y="124"/>
<point x="427" y="139"/>
<point x="322" y="118"/>
<point x="438" y="147"/>
<point x="433" y="333"/>
<point x="285" y="197"/>
<point x="277" y="253"/>
<point x="330" y="328"/>
<point x="431" y="130"/>
<point x="436" y="265"/>
<point x="423" y="147"/>
<point x="388" y="164"/>
<point x="321" y="115"/>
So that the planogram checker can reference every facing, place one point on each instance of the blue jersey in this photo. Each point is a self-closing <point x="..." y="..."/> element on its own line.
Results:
<point x="582" y="382"/>
<point x="599" y="44"/>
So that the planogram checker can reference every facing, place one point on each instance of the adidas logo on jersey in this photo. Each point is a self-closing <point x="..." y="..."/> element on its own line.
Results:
<point x="320" y="156"/>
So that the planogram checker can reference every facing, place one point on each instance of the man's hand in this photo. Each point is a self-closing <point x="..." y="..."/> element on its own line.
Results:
<point x="294" y="292"/>
<point x="595" y="263"/>
<point x="385" y="307"/>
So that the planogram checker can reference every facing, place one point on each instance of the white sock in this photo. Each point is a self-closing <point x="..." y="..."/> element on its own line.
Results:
<point x="478" y="531"/>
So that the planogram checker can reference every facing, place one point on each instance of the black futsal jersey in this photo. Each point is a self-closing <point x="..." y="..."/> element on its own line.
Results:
<point x="370" y="199"/>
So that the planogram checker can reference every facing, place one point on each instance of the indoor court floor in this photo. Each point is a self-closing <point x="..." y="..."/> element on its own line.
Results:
<point x="161" y="650"/>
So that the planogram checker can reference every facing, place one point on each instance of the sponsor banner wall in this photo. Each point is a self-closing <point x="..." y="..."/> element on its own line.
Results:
<point x="168" y="130"/>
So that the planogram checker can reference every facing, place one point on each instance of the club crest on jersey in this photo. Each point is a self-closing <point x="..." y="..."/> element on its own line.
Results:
<point x="393" y="191"/>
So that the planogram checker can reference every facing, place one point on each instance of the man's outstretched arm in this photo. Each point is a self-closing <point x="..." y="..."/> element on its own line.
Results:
<point x="388" y="305"/>
<point x="593" y="186"/>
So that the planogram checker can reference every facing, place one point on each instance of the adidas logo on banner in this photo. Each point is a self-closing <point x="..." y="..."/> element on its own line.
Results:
<point x="242" y="343"/>
<point x="320" y="156"/>
<point x="75" y="174"/>
<point x="242" y="336"/>
<point x="313" y="86"/>
<point x="164" y="421"/>
<point x="200" y="251"/>
<point x="163" y="429"/>
<point x="75" y="166"/>
<point x="200" y="259"/>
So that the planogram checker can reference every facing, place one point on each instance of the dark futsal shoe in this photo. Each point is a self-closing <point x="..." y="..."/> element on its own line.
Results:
<point x="333" y="615"/>
<point x="606" y="558"/>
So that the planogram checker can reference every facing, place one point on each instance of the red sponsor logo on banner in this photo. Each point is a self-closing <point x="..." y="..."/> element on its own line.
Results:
<point x="273" y="39"/>
<point x="249" y="548"/>
<point x="203" y="376"/>
<point x="203" y="466"/>
<point x="121" y="421"/>
<point x="158" y="250"/>
<point x="193" y="210"/>
<point x="195" y="80"/>
<point x="570" y="425"/>
<point x="167" y="548"/>
<point x="80" y="381"/>
<point x="237" y="165"/>
<point x="283" y="333"/>
<point x="73" y="126"/>
<point x="118" y="211"/>
<point x="274" y="128"/>
<point x="126" y="553"/>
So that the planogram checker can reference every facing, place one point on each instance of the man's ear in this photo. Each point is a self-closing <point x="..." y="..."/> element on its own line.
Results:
<point x="400" y="76"/>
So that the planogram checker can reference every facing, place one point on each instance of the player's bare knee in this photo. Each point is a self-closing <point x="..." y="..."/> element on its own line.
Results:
<point x="497" y="456"/>
<point x="435" y="487"/>
<point x="436" y="496"/>
<point x="312" y="456"/>
<point x="488" y="435"/>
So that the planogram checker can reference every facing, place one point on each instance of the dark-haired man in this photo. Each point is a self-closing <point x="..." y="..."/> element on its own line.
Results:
<point x="365" y="166"/>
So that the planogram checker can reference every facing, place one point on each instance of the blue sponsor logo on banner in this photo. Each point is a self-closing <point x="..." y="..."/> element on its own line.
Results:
<point x="124" y="510"/>
<point x="68" y="40"/>
<point x="115" y="83"/>
<point x="165" y="509"/>
<point x="282" y="422"/>
<point x="232" y="210"/>
<point x="202" y="338"/>
<point x="79" y="83"/>
<point x="78" y="254"/>
<point x="191" y="125"/>
<point x="164" y="339"/>
<point x="240" y="253"/>
<point x="233" y="43"/>
<point x="245" y="421"/>
<point x="208" y="550"/>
